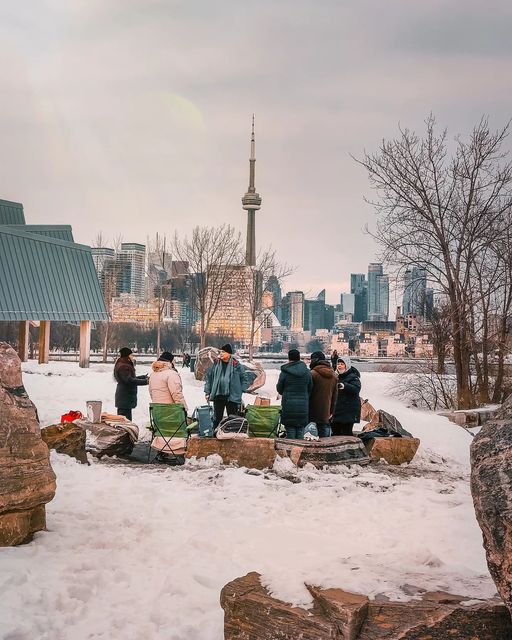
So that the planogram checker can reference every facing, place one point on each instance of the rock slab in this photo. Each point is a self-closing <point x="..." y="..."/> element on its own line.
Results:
<point x="325" y="452"/>
<point x="66" y="438"/>
<point x="394" y="451"/>
<point x="250" y="613"/>
<point x="254" y="453"/>
<point x="27" y="481"/>
<point x="491" y="488"/>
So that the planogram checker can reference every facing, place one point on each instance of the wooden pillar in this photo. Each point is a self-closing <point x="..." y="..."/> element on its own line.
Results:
<point x="85" y="343"/>
<point x="44" y="341"/>
<point x="23" y="336"/>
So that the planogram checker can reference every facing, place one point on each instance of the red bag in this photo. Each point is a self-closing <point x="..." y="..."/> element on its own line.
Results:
<point x="70" y="416"/>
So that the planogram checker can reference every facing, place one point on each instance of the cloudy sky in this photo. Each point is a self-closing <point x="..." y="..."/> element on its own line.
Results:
<point x="133" y="116"/>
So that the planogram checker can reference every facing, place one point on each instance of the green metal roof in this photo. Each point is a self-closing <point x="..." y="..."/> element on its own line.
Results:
<point x="11" y="212"/>
<point x="57" y="231"/>
<point x="43" y="278"/>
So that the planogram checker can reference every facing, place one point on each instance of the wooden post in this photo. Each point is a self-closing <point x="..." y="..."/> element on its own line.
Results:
<point x="23" y="336"/>
<point x="85" y="343"/>
<point x="44" y="341"/>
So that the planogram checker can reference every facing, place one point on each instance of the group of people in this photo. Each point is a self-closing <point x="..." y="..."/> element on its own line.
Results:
<point x="326" y="393"/>
<point x="327" y="396"/>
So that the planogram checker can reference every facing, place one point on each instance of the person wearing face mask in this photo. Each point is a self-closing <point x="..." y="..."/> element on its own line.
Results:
<point x="348" y="404"/>
<point x="225" y="382"/>
<point x="127" y="383"/>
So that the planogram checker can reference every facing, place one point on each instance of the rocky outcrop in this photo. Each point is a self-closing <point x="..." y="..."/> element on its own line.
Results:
<point x="66" y="438"/>
<point x="325" y="452"/>
<point x="393" y="450"/>
<point x="27" y="481"/>
<point x="253" y="453"/>
<point x="251" y="613"/>
<point x="491" y="487"/>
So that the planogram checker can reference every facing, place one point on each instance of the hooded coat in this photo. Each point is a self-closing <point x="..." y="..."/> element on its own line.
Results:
<point x="323" y="396"/>
<point x="165" y="385"/>
<point x="294" y="384"/>
<point x="348" y="404"/>
<point x="127" y="383"/>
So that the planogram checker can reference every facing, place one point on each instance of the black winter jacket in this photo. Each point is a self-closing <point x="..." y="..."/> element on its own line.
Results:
<point x="348" y="404"/>
<point x="127" y="383"/>
<point x="294" y="384"/>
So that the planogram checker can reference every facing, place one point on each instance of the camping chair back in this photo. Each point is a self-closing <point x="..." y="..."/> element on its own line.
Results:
<point x="168" y="420"/>
<point x="263" y="421"/>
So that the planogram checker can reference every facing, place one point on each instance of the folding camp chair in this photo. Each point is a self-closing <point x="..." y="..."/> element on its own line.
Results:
<point x="167" y="421"/>
<point x="263" y="421"/>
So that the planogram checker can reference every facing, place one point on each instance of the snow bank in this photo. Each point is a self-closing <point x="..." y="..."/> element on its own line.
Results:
<point x="136" y="551"/>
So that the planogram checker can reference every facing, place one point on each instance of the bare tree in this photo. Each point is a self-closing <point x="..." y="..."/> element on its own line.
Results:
<point x="441" y="212"/>
<point x="210" y="253"/>
<point x="255" y="284"/>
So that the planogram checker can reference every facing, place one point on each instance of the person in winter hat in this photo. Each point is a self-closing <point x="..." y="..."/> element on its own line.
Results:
<point x="165" y="385"/>
<point x="225" y="382"/>
<point x="127" y="383"/>
<point x="348" y="404"/>
<point x="323" y="395"/>
<point x="294" y="385"/>
<point x="334" y="359"/>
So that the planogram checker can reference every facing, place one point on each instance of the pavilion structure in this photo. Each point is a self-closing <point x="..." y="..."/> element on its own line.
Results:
<point x="45" y="276"/>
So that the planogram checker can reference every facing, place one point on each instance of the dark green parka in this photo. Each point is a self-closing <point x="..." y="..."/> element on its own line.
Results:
<point x="294" y="384"/>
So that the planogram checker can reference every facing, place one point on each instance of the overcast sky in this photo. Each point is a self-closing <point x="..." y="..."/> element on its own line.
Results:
<point x="133" y="116"/>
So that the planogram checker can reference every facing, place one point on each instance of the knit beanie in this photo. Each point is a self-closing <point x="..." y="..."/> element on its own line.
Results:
<point x="227" y="348"/>
<point x="166" y="356"/>
<point x="124" y="352"/>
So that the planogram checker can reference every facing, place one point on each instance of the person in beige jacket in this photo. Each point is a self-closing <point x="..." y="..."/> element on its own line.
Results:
<point x="165" y="382"/>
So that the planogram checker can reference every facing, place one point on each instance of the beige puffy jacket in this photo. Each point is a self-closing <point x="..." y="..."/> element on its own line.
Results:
<point x="165" y="384"/>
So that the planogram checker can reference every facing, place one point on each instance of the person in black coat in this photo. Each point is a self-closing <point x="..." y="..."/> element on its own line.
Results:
<point x="294" y="384"/>
<point x="127" y="383"/>
<point x="348" y="403"/>
<point x="334" y="359"/>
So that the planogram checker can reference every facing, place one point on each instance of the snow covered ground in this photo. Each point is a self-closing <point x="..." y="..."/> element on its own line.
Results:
<point x="138" y="552"/>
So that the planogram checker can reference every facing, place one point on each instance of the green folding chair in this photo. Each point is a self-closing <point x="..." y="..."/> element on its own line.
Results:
<point x="167" y="421"/>
<point x="263" y="421"/>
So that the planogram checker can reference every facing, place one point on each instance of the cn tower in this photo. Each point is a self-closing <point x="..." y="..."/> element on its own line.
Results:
<point x="251" y="202"/>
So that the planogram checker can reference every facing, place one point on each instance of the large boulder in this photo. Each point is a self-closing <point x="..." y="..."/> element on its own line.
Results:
<point x="66" y="438"/>
<point x="251" y="612"/>
<point x="27" y="481"/>
<point x="491" y="487"/>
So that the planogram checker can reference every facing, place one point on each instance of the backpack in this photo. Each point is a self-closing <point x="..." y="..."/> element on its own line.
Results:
<point x="232" y="427"/>
<point x="204" y="417"/>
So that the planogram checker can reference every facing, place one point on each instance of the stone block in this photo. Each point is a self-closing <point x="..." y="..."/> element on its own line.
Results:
<point x="27" y="481"/>
<point x="324" y="452"/>
<point x="66" y="438"/>
<point x="251" y="613"/>
<point x="254" y="453"/>
<point x="393" y="450"/>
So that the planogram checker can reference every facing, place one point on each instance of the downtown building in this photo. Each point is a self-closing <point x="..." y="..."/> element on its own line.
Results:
<point x="378" y="293"/>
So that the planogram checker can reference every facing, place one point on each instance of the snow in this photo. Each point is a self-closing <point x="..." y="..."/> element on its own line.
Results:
<point x="143" y="552"/>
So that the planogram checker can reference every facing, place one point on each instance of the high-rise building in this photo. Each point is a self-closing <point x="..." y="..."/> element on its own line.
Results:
<point x="378" y="293"/>
<point x="314" y="313"/>
<point x="233" y="314"/>
<point x="132" y="259"/>
<point x="348" y="303"/>
<point x="359" y="287"/>
<point x="251" y="202"/>
<point x="293" y="307"/>
<point x="274" y="288"/>
<point x="104" y="259"/>
<point x="415" y="288"/>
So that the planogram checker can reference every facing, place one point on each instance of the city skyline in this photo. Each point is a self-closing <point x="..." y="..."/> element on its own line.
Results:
<point x="132" y="117"/>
